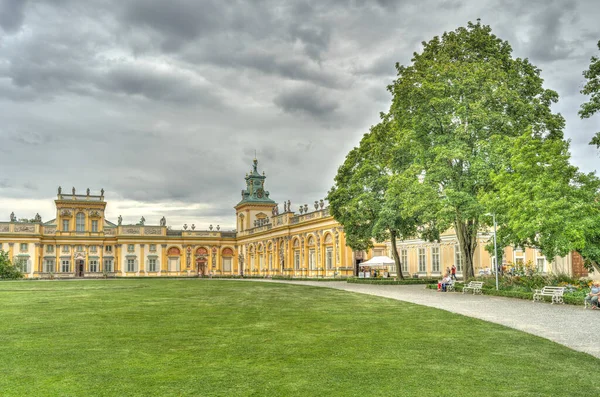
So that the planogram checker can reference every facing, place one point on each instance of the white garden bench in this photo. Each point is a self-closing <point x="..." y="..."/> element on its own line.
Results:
<point x="555" y="292"/>
<point x="475" y="286"/>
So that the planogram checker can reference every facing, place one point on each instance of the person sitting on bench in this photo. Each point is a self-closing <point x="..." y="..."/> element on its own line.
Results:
<point x="592" y="297"/>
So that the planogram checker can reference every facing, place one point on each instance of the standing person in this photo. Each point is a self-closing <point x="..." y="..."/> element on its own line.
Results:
<point x="592" y="297"/>
<point x="453" y="272"/>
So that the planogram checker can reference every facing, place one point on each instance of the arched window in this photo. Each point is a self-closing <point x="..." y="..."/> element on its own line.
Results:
<point x="80" y="222"/>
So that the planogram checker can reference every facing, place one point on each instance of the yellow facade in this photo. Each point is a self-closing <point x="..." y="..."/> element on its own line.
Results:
<point x="81" y="242"/>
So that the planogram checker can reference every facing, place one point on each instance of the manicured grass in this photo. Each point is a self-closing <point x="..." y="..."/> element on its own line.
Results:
<point x="237" y="338"/>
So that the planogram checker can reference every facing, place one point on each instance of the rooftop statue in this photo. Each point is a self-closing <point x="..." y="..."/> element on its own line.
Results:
<point x="59" y="190"/>
<point x="120" y="220"/>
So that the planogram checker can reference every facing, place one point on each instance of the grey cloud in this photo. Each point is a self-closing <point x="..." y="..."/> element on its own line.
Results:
<point x="547" y="42"/>
<point x="307" y="100"/>
<point x="162" y="85"/>
<point x="12" y="14"/>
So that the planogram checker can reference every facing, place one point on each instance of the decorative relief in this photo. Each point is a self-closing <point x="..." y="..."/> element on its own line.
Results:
<point x="49" y="230"/>
<point x="24" y="229"/>
<point x="227" y="252"/>
<point x="94" y="214"/>
<point x="66" y="213"/>
<point x="337" y="247"/>
<point x="4" y="228"/>
<point x="131" y="230"/>
<point x="153" y="230"/>
<point x="110" y="232"/>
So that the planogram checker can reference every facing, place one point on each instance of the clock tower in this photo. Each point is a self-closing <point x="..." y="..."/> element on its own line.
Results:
<point x="254" y="208"/>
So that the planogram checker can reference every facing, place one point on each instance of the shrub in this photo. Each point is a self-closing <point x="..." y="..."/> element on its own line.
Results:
<point x="8" y="271"/>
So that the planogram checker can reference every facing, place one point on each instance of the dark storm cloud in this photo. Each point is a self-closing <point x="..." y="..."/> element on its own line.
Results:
<point x="307" y="100"/>
<point x="12" y="14"/>
<point x="163" y="104"/>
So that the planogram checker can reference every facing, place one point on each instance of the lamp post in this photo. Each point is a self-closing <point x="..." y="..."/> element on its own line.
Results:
<point x="495" y="249"/>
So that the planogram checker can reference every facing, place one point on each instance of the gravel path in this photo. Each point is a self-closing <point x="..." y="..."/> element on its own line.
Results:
<point x="568" y="325"/>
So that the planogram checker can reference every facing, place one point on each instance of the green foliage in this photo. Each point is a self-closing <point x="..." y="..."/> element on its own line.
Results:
<point x="361" y="199"/>
<point x="461" y="108"/>
<point x="8" y="271"/>
<point x="592" y="88"/>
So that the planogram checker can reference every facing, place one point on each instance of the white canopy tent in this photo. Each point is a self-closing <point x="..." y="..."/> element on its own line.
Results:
<point x="378" y="261"/>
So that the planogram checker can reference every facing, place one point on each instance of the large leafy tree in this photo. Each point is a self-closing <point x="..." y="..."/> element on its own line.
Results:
<point x="592" y="88"/>
<point x="360" y="199"/>
<point x="460" y="108"/>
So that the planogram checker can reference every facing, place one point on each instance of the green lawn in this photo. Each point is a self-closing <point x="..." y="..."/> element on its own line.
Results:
<point x="235" y="338"/>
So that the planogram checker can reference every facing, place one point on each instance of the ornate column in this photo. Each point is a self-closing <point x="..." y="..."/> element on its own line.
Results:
<point x="117" y="264"/>
<point x="73" y="259"/>
<point x="38" y="258"/>
<point x="163" y="259"/>
<point x="57" y="257"/>
<point x="143" y="259"/>
<point x="101" y="259"/>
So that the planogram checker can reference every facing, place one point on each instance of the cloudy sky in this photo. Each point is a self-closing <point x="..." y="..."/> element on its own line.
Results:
<point x="163" y="103"/>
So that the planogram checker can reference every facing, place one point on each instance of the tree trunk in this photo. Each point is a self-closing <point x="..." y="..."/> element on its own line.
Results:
<point x="396" y="257"/>
<point x="466" y="231"/>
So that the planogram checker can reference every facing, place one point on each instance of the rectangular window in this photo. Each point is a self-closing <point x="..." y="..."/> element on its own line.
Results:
<point x="131" y="265"/>
<point x="519" y="256"/>
<point x="24" y="247"/>
<point x="152" y="247"/>
<point x="49" y="266"/>
<point x="227" y="264"/>
<point x="80" y="222"/>
<point x="94" y="266"/>
<point x="50" y="248"/>
<point x="151" y="265"/>
<point x="130" y="248"/>
<point x="65" y="225"/>
<point x="422" y="261"/>
<point x="458" y="258"/>
<point x="435" y="259"/>
<point x="311" y="259"/>
<point x="94" y="226"/>
<point x="109" y="248"/>
<point x="329" y="257"/>
<point x="65" y="266"/>
<point x="108" y="267"/>
<point x="540" y="262"/>
<point x="65" y="248"/>
<point x="297" y="259"/>
<point x="79" y="248"/>
<point x="93" y="248"/>
<point x="404" y="259"/>
<point x="21" y="264"/>
<point x="261" y="261"/>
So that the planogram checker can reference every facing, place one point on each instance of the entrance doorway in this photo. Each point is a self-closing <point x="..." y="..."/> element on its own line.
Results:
<point x="79" y="268"/>
<point x="201" y="267"/>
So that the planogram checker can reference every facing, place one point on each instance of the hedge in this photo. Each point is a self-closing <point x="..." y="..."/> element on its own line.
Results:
<point x="568" y="299"/>
<point x="388" y="281"/>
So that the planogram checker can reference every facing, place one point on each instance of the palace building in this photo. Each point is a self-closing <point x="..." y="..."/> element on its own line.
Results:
<point x="81" y="242"/>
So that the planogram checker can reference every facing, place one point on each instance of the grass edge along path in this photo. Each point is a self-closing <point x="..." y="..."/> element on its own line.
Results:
<point x="211" y="338"/>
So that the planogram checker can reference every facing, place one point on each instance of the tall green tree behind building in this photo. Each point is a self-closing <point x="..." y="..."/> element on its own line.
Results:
<point x="470" y="131"/>
<point x="592" y="88"/>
